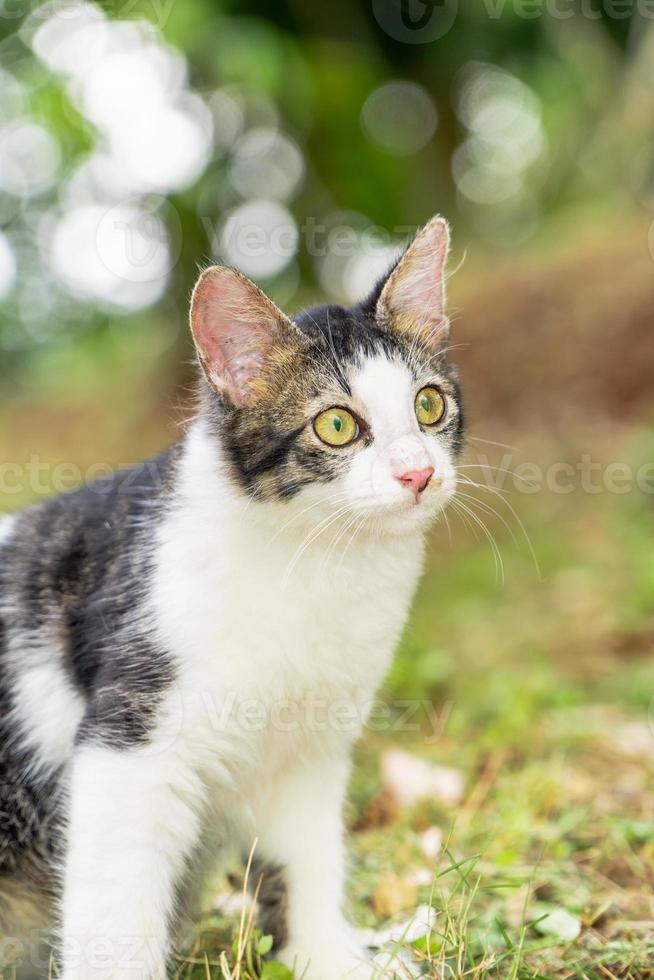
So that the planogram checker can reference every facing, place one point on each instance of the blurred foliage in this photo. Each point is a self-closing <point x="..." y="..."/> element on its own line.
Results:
<point x="566" y="121"/>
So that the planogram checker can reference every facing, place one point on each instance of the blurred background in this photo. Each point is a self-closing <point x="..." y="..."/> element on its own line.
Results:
<point x="141" y="140"/>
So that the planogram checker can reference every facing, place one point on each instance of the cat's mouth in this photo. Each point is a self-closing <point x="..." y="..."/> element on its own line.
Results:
<point x="408" y="511"/>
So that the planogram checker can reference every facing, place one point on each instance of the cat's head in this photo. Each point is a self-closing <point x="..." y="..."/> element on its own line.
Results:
<point x="352" y="411"/>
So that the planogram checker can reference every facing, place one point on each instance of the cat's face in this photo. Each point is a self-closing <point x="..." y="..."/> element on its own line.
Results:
<point x="345" y="415"/>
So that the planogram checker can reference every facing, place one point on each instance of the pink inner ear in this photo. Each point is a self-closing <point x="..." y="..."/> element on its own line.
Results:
<point x="416" y="287"/>
<point x="234" y="325"/>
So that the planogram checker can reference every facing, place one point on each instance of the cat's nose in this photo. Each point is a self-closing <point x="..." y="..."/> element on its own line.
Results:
<point x="417" y="480"/>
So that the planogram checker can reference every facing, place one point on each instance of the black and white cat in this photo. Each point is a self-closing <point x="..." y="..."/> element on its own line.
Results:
<point x="167" y="634"/>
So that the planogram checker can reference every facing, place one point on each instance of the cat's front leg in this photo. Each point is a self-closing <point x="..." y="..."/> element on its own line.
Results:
<point x="133" y="823"/>
<point x="301" y="844"/>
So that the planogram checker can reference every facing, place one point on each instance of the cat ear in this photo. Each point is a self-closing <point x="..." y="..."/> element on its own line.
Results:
<point x="235" y="328"/>
<point x="413" y="299"/>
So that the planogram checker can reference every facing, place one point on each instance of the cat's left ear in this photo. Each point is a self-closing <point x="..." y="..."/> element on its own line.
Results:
<point x="238" y="331"/>
<point x="413" y="299"/>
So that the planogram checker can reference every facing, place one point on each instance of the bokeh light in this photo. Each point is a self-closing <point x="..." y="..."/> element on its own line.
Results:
<point x="7" y="267"/>
<point x="355" y="255"/>
<point x="266" y="162"/>
<point x="119" y="255"/>
<point x="498" y="165"/>
<point x="134" y="92"/>
<point x="70" y="38"/>
<point x="259" y="237"/>
<point x="366" y="267"/>
<point x="101" y="232"/>
<point x="13" y="98"/>
<point x="29" y="157"/>
<point x="400" y="117"/>
<point x="228" y="115"/>
<point x="115" y="110"/>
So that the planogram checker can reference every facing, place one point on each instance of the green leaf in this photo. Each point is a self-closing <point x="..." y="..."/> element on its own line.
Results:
<point x="272" y="970"/>
<point x="263" y="945"/>
<point x="427" y="944"/>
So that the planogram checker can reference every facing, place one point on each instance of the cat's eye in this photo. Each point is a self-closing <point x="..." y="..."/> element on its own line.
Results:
<point x="430" y="406"/>
<point x="336" y="427"/>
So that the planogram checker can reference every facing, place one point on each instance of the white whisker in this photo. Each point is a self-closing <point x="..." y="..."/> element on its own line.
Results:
<point x="312" y="536"/>
<point x="517" y="519"/>
<point x="499" y="562"/>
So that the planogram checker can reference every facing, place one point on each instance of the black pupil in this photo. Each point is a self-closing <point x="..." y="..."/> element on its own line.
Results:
<point x="338" y="424"/>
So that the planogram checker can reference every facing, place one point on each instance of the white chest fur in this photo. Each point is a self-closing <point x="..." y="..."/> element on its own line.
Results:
<point x="267" y="643"/>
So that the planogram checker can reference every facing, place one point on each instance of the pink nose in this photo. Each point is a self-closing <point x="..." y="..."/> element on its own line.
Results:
<point x="417" y="480"/>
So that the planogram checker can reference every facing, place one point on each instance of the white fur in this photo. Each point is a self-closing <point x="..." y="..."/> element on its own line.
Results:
<point x="386" y="391"/>
<point x="279" y="644"/>
<point x="133" y="821"/>
<point x="47" y="708"/>
<point x="6" y="528"/>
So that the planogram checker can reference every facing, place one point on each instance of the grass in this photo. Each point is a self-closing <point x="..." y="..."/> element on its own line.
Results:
<point x="541" y="691"/>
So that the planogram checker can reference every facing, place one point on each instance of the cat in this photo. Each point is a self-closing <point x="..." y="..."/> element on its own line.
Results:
<point x="166" y="633"/>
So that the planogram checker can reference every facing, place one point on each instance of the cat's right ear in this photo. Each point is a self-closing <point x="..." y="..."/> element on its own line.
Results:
<point x="413" y="298"/>
<point x="235" y="328"/>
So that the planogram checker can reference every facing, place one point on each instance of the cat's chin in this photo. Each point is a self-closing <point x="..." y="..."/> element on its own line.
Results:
<point x="407" y="519"/>
<point x="398" y="526"/>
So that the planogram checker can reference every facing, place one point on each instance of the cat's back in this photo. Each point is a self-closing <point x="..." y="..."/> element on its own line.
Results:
<point x="60" y="556"/>
<point x="73" y="570"/>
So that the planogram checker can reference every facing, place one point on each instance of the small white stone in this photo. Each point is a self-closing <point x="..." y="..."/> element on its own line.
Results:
<point x="432" y="842"/>
<point x="408" y="779"/>
<point x="561" y="924"/>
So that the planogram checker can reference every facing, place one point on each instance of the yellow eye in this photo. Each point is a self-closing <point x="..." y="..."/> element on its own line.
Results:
<point x="430" y="406"/>
<point x="336" y="427"/>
